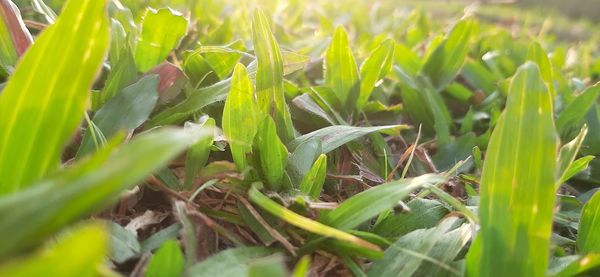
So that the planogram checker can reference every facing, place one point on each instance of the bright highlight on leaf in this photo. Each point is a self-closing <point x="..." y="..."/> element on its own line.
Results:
<point x="517" y="185"/>
<point x="341" y="72"/>
<point x="44" y="101"/>
<point x="162" y="30"/>
<point x="240" y="110"/>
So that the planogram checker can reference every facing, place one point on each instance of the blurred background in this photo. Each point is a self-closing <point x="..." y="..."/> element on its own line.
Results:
<point x="589" y="9"/>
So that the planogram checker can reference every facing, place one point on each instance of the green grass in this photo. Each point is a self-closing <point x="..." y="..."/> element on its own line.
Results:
<point x="304" y="138"/>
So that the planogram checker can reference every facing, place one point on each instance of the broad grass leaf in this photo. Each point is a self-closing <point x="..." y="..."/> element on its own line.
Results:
<point x="424" y="252"/>
<point x="122" y="74"/>
<point x="426" y="106"/>
<point x="369" y="203"/>
<point x="572" y="117"/>
<point x="305" y="223"/>
<point x="230" y="263"/>
<point x="197" y="100"/>
<point x="240" y="110"/>
<point x="272" y="154"/>
<point x="84" y="248"/>
<point x="377" y="65"/>
<point x="86" y="187"/>
<point x="406" y="60"/>
<point x="306" y="103"/>
<point x="341" y="72"/>
<point x="536" y="54"/>
<point x="517" y="184"/>
<point x="208" y="64"/>
<point x="269" y="76"/>
<point x="313" y="181"/>
<point x="124" y="112"/>
<point x="333" y="137"/>
<point x="448" y="57"/>
<point x="424" y="213"/>
<point x="588" y="239"/>
<point x="167" y="261"/>
<point x="567" y="167"/>
<point x="479" y="76"/>
<point x="301" y="160"/>
<point x="44" y="101"/>
<point x="162" y="30"/>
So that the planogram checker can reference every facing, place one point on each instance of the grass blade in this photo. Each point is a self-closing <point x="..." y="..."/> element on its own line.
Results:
<point x="341" y="72"/>
<point x="305" y="223"/>
<point x="88" y="186"/>
<point x="333" y="137"/>
<point x="124" y="112"/>
<point x="161" y="32"/>
<point x="572" y="117"/>
<point x="269" y="76"/>
<point x="368" y="204"/>
<point x="588" y="239"/>
<point x="567" y="165"/>
<point x="426" y="250"/>
<point x="517" y="185"/>
<point x="44" y="101"/>
<point x="167" y="261"/>
<point x="272" y="154"/>
<point x="240" y="110"/>
<point x="374" y="68"/>
<point x="313" y="181"/>
<point x="446" y="60"/>
<point x="84" y="247"/>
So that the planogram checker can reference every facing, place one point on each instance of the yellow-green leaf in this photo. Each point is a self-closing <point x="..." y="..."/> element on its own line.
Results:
<point x="517" y="184"/>
<point x="85" y="187"/>
<point x="240" y="110"/>
<point x="162" y="31"/>
<point x="269" y="76"/>
<point x="312" y="183"/>
<point x="79" y="253"/>
<point x="167" y="261"/>
<point x="537" y="55"/>
<point x="369" y="203"/>
<point x="44" y="100"/>
<point x="374" y="68"/>
<point x="448" y="57"/>
<point x="272" y="154"/>
<point x="305" y="223"/>
<point x="341" y="72"/>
